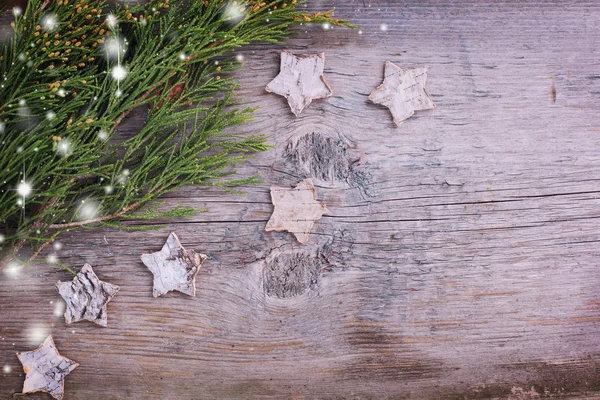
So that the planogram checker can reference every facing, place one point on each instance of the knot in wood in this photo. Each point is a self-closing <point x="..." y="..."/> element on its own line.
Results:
<point x="322" y="157"/>
<point x="290" y="274"/>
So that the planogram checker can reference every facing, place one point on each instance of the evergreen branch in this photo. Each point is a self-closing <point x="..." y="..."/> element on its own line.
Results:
<point x="115" y="225"/>
<point x="73" y="73"/>
<point x="43" y="246"/>
<point x="95" y="220"/>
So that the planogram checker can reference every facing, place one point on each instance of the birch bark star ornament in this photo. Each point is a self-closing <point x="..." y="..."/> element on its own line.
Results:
<point x="46" y="369"/>
<point x="300" y="80"/>
<point x="296" y="210"/>
<point x="403" y="92"/>
<point x="174" y="268"/>
<point x="87" y="297"/>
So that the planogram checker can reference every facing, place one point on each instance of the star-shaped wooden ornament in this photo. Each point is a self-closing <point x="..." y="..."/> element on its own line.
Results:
<point x="174" y="267"/>
<point x="300" y="80"/>
<point x="403" y="92"/>
<point x="86" y="297"/>
<point x="296" y="210"/>
<point x="46" y="369"/>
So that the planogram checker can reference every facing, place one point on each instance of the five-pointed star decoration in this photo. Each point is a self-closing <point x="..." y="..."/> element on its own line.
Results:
<point x="300" y="80"/>
<point x="296" y="210"/>
<point x="86" y="297"/>
<point x="46" y="369"/>
<point x="403" y="92"/>
<point x="174" y="267"/>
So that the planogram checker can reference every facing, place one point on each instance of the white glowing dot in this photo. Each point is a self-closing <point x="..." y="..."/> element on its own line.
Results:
<point x="57" y="245"/>
<point x="118" y="93"/>
<point x="111" y="21"/>
<point x="360" y="32"/>
<point x="30" y="63"/>
<point x="102" y="135"/>
<point x="88" y="210"/>
<point x="62" y="92"/>
<point x="326" y="26"/>
<point x="17" y="11"/>
<point x="113" y="46"/>
<point x="239" y="57"/>
<point x="52" y="259"/>
<point x="123" y="177"/>
<point x="36" y="334"/>
<point x="12" y="270"/>
<point x="49" y="22"/>
<point x="108" y="189"/>
<point x="22" y="57"/>
<point x="233" y="13"/>
<point x="22" y="102"/>
<point x="2" y="238"/>
<point x="6" y="369"/>
<point x="19" y="202"/>
<point x="59" y="309"/>
<point x="20" y="149"/>
<point x="50" y="115"/>
<point x="182" y="57"/>
<point x="118" y="73"/>
<point x="383" y="27"/>
<point x="24" y="189"/>
<point x="64" y="147"/>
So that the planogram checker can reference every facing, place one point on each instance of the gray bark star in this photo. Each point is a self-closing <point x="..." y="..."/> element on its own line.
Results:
<point x="46" y="369"/>
<point x="300" y="80"/>
<point x="174" y="268"/>
<point x="403" y="92"/>
<point x="86" y="297"/>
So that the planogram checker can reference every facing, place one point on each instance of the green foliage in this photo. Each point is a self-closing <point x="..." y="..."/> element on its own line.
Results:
<point x="61" y="104"/>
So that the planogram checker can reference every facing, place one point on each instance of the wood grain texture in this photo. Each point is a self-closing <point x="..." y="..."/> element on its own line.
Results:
<point x="460" y="259"/>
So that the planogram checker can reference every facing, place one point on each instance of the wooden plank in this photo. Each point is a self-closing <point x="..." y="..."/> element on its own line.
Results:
<point x="460" y="259"/>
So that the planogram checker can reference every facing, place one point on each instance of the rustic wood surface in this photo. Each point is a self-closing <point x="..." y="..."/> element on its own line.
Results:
<point x="460" y="259"/>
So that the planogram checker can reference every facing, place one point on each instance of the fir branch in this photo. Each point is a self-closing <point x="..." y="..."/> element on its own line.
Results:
<point x="78" y="224"/>
<point x="73" y="71"/>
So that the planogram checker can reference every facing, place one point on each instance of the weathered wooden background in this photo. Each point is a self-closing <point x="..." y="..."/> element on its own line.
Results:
<point x="460" y="260"/>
